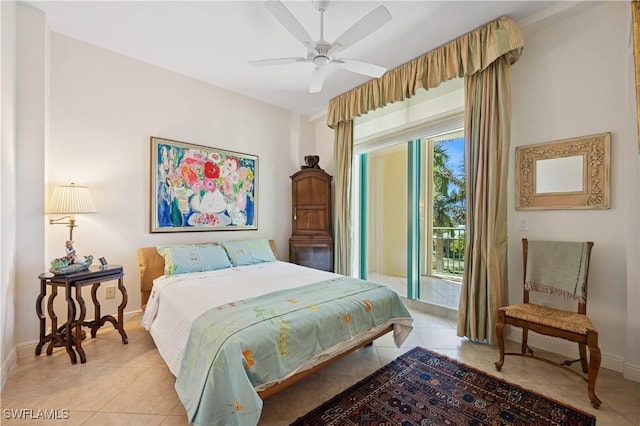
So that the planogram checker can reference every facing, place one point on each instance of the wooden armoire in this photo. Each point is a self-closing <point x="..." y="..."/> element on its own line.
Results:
<point x="311" y="242"/>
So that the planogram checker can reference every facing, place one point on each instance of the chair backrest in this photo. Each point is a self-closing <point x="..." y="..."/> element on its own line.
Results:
<point x="566" y="265"/>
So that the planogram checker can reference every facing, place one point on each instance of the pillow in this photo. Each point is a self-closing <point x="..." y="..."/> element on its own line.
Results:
<point x="181" y="259"/>
<point x="249" y="252"/>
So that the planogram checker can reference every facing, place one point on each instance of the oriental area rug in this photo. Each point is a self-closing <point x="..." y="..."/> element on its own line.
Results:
<point x="425" y="388"/>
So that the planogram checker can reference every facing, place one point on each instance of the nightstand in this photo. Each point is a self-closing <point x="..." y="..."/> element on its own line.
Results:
<point x="69" y="335"/>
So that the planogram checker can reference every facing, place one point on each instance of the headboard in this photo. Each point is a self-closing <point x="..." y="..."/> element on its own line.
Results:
<point x="152" y="266"/>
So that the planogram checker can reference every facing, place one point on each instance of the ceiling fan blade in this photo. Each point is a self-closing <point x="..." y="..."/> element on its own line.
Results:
<point x="277" y="61"/>
<point x="365" y="26"/>
<point x="360" y="67"/>
<point x="317" y="78"/>
<point x="290" y="22"/>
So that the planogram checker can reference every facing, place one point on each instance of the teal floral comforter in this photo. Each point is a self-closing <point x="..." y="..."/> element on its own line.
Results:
<point x="236" y="347"/>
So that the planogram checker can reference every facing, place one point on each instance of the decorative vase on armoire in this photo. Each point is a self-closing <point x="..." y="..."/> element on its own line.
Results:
<point x="311" y="242"/>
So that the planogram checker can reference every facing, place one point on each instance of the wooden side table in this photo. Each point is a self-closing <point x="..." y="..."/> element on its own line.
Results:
<point x="69" y="334"/>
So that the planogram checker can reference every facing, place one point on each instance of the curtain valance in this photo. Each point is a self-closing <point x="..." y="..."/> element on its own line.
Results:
<point x="465" y="55"/>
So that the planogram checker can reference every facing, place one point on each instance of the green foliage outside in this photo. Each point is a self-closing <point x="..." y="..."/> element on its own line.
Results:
<point x="449" y="213"/>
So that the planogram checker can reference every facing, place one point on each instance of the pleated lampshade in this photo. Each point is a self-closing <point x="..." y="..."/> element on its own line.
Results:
<point x="70" y="199"/>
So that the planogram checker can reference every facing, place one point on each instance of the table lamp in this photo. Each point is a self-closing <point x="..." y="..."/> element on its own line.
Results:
<point x="69" y="200"/>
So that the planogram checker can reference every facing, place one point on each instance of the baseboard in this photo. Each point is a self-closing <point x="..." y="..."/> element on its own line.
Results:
<point x="631" y="372"/>
<point x="27" y="349"/>
<point x="565" y="348"/>
<point x="129" y="315"/>
<point x="8" y="366"/>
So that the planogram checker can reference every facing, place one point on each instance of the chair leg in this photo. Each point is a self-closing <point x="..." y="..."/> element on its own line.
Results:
<point x="525" y="335"/>
<point x="500" y="336"/>
<point x="594" y="368"/>
<point x="583" y="357"/>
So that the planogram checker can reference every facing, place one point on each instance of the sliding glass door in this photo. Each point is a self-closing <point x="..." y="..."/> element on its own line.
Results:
<point x="411" y="217"/>
<point x="384" y="228"/>
<point x="443" y="221"/>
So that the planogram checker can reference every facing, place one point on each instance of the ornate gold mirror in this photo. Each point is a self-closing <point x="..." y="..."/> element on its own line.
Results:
<point x="566" y="174"/>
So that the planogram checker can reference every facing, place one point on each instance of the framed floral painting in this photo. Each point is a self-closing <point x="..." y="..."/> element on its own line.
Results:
<point x="199" y="188"/>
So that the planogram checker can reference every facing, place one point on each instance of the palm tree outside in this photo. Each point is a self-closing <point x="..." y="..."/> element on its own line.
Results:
<point x="449" y="211"/>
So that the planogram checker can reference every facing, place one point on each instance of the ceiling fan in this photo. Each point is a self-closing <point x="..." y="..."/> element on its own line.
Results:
<point x="322" y="53"/>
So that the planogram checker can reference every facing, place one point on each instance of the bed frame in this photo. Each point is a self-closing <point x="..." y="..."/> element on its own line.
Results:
<point x="152" y="266"/>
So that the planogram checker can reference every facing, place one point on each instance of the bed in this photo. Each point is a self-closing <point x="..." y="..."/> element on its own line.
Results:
<point x="235" y="325"/>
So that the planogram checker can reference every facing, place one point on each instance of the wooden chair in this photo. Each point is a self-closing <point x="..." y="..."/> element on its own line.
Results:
<point x="573" y="326"/>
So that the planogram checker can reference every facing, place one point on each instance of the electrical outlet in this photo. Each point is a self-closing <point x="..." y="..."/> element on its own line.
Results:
<point x="111" y="292"/>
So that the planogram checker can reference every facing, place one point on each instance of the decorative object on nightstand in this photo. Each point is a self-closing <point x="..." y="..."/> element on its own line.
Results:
<point x="311" y="242"/>
<point x="69" y="200"/>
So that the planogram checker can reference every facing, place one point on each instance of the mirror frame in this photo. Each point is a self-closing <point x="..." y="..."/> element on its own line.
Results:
<point x="595" y="150"/>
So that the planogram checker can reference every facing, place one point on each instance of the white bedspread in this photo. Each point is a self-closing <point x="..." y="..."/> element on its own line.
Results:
<point x="176" y="301"/>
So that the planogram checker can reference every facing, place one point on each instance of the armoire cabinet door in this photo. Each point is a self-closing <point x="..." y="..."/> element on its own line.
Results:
<point x="311" y="203"/>
<point x="311" y="242"/>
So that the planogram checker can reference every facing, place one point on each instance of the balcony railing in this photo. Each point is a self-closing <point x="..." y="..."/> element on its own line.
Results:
<point x="448" y="251"/>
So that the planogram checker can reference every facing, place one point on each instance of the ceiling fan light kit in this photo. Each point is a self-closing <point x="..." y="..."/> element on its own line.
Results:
<point x="322" y="53"/>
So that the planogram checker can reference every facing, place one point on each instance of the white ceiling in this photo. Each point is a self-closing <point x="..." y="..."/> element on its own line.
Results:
<point x="213" y="41"/>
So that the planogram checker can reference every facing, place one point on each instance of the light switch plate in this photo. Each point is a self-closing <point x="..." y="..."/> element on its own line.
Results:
<point x="523" y="224"/>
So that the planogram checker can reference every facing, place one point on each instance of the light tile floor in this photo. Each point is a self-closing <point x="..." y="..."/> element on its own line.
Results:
<point x="130" y="384"/>
<point x="433" y="290"/>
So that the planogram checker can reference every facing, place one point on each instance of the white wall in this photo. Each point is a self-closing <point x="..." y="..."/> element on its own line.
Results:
<point x="632" y="355"/>
<point x="7" y="187"/>
<point x="323" y="143"/>
<point x="573" y="80"/>
<point x="31" y="120"/>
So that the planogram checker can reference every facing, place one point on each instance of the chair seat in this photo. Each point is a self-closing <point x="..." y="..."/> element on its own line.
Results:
<point x="568" y="321"/>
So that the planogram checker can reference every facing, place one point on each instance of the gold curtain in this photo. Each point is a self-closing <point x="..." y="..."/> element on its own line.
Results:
<point x="465" y="55"/>
<point x="471" y="56"/>
<point x="487" y="140"/>
<point x="342" y="157"/>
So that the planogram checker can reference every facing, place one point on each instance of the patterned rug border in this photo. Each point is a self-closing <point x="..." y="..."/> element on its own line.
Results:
<point x="515" y="385"/>
<point x="453" y="360"/>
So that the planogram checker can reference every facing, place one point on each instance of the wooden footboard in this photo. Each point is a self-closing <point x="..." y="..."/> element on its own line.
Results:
<point x="303" y="374"/>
